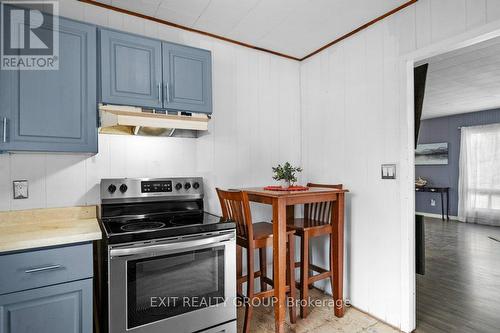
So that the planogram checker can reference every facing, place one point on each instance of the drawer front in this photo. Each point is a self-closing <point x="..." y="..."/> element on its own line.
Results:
<point x="32" y="269"/>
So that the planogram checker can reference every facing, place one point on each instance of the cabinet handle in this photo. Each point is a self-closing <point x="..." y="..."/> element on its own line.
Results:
<point x="168" y="92"/>
<point x="159" y="93"/>
<point x="42" y="269"/>
<point x="4" y="128"/>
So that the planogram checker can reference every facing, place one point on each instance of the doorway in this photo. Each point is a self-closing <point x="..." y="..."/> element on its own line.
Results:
<point x="457" y="193"/>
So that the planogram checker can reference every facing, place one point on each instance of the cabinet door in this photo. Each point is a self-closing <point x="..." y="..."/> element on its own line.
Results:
<point x="54" y="110"/>
<point x="187" y="74"/>
<point x="62" y="308"/>
<point x="130" y="70"/>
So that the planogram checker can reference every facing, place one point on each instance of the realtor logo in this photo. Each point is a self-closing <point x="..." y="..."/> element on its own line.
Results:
<point x="30" y="35"/>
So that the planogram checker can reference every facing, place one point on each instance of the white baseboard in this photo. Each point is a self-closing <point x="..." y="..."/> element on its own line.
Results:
<point x="437" y="216"/>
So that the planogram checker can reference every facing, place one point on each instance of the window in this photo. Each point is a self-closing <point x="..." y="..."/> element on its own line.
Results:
<point x="479" y="182"/>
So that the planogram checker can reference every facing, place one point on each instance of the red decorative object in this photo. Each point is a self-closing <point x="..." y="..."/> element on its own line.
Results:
<point x="291" y="188"/>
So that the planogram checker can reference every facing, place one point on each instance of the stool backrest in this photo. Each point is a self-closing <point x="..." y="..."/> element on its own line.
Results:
<point x="320" y="211"/>
<point x="236" y="207"/>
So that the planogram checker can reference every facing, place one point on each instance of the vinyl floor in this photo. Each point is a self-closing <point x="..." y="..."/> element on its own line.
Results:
<point x="460" y="291"/>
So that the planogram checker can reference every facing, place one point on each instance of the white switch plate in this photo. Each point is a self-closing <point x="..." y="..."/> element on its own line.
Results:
<point x="20" y="189"/>
<point x="433" y="202"/>
<point x="388" y="171"/>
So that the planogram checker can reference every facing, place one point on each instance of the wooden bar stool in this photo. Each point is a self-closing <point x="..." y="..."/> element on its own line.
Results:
<point x="316" y="222"/>
<point x="235" y="206"/>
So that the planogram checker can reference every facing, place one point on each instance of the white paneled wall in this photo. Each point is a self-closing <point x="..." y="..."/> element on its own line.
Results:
<point x="60" y="180"/>
<point x="353" y="104"/>
<point x="256" y="124"/>
<point x="436" y="20"/>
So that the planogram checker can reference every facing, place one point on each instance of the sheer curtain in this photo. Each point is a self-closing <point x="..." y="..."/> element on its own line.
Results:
<point x="479" y="175"/>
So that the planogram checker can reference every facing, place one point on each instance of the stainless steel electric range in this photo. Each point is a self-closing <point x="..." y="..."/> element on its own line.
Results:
<point x="164" y="264"/>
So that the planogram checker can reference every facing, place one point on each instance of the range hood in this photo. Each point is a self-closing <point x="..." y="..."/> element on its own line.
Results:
<point x="117" y="119"/>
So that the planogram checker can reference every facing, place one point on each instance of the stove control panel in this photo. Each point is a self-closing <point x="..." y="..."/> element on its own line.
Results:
<point x="139" y="189"/>
<point x="156" y="186"/>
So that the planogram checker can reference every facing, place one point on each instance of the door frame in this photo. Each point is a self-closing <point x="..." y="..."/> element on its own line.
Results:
<point x="407" y="158"/>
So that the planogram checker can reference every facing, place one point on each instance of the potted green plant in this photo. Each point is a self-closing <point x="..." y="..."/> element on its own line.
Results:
<point x="286" y="174"/>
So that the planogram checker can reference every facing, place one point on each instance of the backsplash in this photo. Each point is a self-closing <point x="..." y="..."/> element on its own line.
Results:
<point x="60" y="180"/>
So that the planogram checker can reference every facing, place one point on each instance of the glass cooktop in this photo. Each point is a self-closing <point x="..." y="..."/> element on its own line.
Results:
<point x="132" y="228"/>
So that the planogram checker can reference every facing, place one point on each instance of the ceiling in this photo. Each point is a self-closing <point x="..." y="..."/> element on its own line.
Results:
<point x="292" y="27"/>
<point x="465" y="80"/>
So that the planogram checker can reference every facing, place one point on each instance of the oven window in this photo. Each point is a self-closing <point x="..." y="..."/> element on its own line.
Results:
<point x="167" y="286"/>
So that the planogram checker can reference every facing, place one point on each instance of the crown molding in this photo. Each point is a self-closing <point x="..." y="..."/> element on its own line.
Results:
<point x="254" y="47"/>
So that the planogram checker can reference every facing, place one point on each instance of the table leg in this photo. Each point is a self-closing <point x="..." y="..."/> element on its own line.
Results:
<point x="338" y="254"/>
<point x="442" y="207"/>
<point x="447" y="204"/>
<point x="279" y="255"/>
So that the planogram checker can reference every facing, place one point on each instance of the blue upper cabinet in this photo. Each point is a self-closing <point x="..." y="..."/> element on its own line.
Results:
<point x="130" y="70"/>
<point x="144" y="72"/>
<point x="187" y="76"/>
<point x="53" y="110"/>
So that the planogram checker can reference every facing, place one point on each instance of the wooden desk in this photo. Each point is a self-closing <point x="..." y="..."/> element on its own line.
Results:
<point x="280" y="200"/>
<point x="442" y="191"/>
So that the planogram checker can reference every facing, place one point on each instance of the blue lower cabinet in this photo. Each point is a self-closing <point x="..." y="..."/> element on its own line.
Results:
<point x="47" y="290"/>
<point x="62" y="308"/>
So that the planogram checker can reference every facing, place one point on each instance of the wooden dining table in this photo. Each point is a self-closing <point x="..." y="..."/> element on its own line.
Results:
<point x="283" y="203"/>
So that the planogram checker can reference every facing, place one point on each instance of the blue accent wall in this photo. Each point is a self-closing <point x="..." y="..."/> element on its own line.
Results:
<point x="445" y="129"/>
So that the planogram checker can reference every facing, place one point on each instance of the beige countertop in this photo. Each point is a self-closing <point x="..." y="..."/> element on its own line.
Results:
<point x="28" y="229"/>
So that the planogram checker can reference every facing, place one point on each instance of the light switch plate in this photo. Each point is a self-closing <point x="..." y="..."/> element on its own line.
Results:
<point x="20" y="189"/>
<point x="388" y="171"/>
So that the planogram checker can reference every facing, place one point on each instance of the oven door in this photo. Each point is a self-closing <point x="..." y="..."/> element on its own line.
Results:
<point x="176" y="285"/>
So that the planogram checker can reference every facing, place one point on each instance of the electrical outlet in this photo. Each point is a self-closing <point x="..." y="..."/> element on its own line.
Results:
<point x="20" y="189"/>
<point x="433" y="202"/>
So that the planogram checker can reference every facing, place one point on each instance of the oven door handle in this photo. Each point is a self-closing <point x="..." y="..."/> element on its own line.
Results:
<point x="169" y="247"/>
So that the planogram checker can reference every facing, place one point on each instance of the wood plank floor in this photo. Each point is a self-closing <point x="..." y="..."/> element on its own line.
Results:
<point x="460" y="291"/>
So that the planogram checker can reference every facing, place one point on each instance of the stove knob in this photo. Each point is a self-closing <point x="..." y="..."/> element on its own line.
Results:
<point x="196" y="185"/>
<point x="123" y="188"/>
<point x="187" y="186"/>
<point x="111" y="188"/>
<point x="178" y="186"/>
